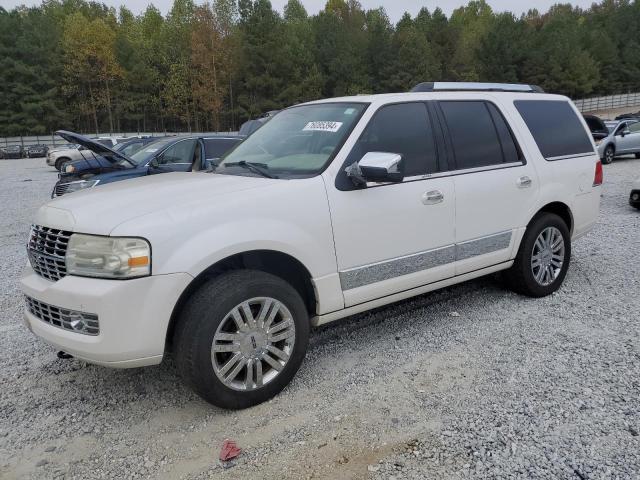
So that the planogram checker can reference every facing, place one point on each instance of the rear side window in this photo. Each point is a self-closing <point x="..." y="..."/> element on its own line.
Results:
<point x="403" y="128"/>
<point x="478" y="134"/>
<point x="556" y="128"/>
<point x="217" y="147"/>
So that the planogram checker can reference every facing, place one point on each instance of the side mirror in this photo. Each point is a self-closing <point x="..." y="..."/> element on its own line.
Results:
<point x="379" y="167"/>
<point x="210" y="164"/>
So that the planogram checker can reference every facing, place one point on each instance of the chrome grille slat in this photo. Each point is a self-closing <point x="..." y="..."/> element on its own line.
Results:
<point x="47" y="248"/>
<point x="63" y="317"/>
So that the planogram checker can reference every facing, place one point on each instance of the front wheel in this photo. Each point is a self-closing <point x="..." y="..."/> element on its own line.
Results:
<point x="609" y="154"/>
<point x="543" y="258"/>
<point x="241" y="338"/>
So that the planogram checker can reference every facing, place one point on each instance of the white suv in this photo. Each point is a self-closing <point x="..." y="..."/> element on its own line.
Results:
<point x="332" y="208"/>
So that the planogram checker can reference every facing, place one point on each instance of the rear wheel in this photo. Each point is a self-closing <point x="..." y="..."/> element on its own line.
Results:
<point x="543" y="258"/>
<point x="61" y="162"/>
<point x="241" y="338"/>
<point x="609" y="154"/>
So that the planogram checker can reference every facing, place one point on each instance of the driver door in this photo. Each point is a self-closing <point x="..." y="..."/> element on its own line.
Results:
<point x="630" y="142"/>
<point x="392" y="237"/>
<point x="179" y="157"/>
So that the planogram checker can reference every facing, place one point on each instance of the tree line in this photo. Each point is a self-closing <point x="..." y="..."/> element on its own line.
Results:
<point x="80" y="65"/>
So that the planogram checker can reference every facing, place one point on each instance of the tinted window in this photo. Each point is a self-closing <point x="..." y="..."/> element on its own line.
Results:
<point x="510" y="149"/>
<point x="217" y="147"/>
<point x="404" y="129"/>
<point x="555" y="127"/>
<point x="473" y="134"/>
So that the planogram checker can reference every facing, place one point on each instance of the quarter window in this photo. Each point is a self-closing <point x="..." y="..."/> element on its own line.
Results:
<point x="556" y="128"/>
<point x="476" y="134"/>
<point x="404" y="129"/>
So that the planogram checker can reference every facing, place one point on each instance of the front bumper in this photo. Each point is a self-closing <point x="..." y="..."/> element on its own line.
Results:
<point x="51" y="161"/>
<point x="133" y="315"/>
<point x="634" y="198"/>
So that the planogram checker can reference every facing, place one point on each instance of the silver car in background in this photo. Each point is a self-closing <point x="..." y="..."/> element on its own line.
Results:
<point x="623" y="139"/>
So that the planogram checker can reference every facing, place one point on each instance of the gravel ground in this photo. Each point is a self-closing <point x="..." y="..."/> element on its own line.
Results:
<point x="469" y="382"/>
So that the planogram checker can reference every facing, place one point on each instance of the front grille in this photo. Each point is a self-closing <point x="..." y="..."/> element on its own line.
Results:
<point x="72" y="320"/>
<point x="60" y="189"/>
<point x="47" y="248"/>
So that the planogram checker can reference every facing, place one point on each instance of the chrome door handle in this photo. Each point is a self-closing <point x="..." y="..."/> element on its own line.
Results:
<point x="433" y="197"/>
<point x="524" y="182"/>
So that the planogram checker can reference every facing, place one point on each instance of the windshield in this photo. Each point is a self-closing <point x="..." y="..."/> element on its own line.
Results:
<point x="145" y="154"/>
<point x="296" y="142"/>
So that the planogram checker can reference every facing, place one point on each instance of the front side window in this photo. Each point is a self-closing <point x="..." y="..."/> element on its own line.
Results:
<point x="634" y="127"/>
<point x="474" y="135"/>
<point x="217" y="147"/>
<point x="181" y="152"/>
<point x="297" y="142"/>
<point x="404" y="129"/>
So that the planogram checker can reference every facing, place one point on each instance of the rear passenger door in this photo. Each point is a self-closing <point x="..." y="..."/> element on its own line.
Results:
<point x="391" y="237"/>
<point x="495" y="187"/>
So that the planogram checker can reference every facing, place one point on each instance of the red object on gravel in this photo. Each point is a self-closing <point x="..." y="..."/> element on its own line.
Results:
<point x="229" y="450"/>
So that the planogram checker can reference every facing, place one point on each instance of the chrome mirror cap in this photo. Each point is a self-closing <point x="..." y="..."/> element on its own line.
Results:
<point x="377" y="167"/>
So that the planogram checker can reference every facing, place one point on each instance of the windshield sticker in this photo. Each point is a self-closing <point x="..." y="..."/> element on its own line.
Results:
<point x="350" y="111"/>
<point x="151" y="150"/>
<point x="325" y="126"/>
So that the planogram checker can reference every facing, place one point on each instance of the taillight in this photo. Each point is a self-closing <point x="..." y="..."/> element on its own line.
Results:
<point x="599" y="176"/>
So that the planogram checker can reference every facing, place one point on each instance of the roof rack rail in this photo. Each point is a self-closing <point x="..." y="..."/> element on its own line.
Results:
<point x="475" y="87"/>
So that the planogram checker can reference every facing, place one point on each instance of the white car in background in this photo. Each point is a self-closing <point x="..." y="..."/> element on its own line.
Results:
<point x="331" y="208"/>
<point x="623" y="139"/>
<point x="58" y="157"/>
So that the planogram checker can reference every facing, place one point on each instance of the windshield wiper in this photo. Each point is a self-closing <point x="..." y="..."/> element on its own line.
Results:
<point x="259" y="168"/>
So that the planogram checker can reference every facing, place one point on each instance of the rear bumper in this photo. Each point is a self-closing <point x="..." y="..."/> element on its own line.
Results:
<point x="133" y="316"/>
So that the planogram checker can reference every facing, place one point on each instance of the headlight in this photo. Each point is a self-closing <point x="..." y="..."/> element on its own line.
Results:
<point x="69" y="169"/>
<point x="598" y="142"/>
<point x="108" y="257"/>
<point x="80" y="185"/>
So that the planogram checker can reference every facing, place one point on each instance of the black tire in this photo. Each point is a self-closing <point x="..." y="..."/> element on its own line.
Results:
<point x="60" y="163"/>
<point x="205" y="311"/>
<point x="520" y="277"/>
<point x="609" y="155"/>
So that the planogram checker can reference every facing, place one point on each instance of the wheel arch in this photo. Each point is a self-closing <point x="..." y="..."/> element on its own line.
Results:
<point x="274" y="262"/>
<point x="559" y="208"/>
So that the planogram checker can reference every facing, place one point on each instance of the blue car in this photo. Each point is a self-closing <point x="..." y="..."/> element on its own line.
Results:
<point x="161" y="155"/>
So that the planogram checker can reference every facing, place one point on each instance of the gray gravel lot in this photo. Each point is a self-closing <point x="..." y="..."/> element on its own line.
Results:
<point x="469" y="382"/>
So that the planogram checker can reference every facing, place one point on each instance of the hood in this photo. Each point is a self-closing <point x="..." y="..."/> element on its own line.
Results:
<point x="89" y="164"/>
<point x="95" y="147"/>
<point x="99" y="210"/>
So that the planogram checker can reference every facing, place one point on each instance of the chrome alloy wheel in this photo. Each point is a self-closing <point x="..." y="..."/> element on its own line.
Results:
<point x="547" y="257"/>
<point x="253" y="343"/>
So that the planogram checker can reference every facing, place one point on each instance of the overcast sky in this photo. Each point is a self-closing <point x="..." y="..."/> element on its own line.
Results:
<point x="395" y="8"/>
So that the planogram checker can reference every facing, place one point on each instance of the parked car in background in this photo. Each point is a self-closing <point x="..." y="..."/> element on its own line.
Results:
<point x="162" y="155"/>
<point x="129" y="147"/>
<point x="60" y="156"/>
<point x="110" y="141"/>
<point x="628" y="116"/>
<point x="250" y="126"/>
<point x="13" y="151"/>
<point x="332" y="208"/>
<point x="634" y="197"/>
<point x="623" y="139"/>
<point x="36" y="151"/>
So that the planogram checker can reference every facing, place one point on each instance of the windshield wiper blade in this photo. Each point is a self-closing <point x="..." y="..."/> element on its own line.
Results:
<point x="259" y="168"/>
